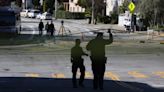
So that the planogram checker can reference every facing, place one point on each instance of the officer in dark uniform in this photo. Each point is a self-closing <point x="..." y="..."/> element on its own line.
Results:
<point x="47" y="27"/>
<point x="41" y="26"/>
<point x="77" y="62"/>
<point x="52" y="28"/>
<point x="98" y="58"/>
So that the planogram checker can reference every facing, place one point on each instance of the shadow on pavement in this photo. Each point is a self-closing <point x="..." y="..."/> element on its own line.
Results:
<point x="24" y="84"/>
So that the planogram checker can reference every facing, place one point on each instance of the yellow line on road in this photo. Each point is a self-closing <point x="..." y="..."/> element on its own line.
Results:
<point x="32" y="75"/>
<point x="159" y="73"/>
<point x="136" y="74"/>
<point x="58" y="75"/>
<point x="112" y="76"/>
<point x="88" y="75"/>
<point x="162" y="34"/>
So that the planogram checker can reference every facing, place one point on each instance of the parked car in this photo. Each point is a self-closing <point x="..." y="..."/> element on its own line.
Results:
<point x="33" y="13"/>
<point x="38" y="16"/>
<point x="46" y="16"/>
<point x="24" y="13"/>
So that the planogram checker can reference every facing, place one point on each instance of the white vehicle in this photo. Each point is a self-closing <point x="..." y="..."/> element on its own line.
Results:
<point x="24" y="13"/>
<point x="33" y="13"/>
<point x="46" y="16"/>
<point x="127" y="22"/>
<point x="38" y="16"/>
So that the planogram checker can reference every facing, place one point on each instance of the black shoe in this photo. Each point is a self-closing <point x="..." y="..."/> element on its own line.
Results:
<point x="95" y="88"/>
<point x="81" y="85"/>
<point x="74" y="86"/>
<point x="101" y="88"/>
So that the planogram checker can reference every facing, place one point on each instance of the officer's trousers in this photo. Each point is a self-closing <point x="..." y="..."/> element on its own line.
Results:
<point x="98" y="72"/>
<point x="74" y="71"/>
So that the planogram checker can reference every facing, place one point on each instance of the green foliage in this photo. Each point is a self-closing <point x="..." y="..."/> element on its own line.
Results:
<point x="104" y="19"/>
<point x="152" y="10"/>
<point x="18" y="3"/>
<point x="98" y="9"/>
<point x="85" y="3"/>
<point x="36" y="3"/>
<point x="48" y="5"/>
<point x="61" y="7"/>
<point x="69" y="15"/>
<point x="114" y="18"/>
<point x="4" y="2"/>
<point x="124" y="7"/>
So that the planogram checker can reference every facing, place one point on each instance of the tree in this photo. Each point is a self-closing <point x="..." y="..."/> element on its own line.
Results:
<point x="152" y="11"/>
<point x="4" y="2"/>
<point x="36" y="3"/>
<point x="97" y="9"/>
<point x="18" y="3"/>
<point x="48" y="5"/>
<point x="124" y="7"/>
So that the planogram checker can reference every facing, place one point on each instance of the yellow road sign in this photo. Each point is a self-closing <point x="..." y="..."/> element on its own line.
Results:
<point x="131" y="7"/>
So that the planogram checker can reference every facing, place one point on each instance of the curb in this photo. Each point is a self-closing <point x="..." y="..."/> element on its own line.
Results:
<point x="19" y="46"/>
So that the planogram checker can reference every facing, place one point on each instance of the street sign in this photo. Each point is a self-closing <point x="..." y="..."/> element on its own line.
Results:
<point x="131" y="7"/>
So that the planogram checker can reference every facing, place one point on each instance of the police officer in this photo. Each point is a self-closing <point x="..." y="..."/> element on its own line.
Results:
<point x="41" y="26"/>
<point x="97" y="49"/>
<point x="52" y="28"/>
<point x="77" y="62"/>
<point x="47" y="27"/>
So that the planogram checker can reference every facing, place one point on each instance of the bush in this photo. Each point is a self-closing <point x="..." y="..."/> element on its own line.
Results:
<point x="114" y="18"/>
<point x="104" y="19"/>
<point x="70" y="15"/>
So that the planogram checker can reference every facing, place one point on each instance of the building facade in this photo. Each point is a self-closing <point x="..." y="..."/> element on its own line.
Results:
<point x="112" y="5"/>
<point x="71" y="6"/>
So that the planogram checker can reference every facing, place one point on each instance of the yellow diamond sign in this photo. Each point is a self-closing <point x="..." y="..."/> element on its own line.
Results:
<point x="131" y="7"/>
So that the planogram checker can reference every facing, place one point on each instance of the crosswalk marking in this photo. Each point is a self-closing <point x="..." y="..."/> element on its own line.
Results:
<point x="112" y="76"/>
<point x="88" y="75"/>
<point x="32" y="75"/>
<point x="159" y="73"/>
<point x="108" y="74"/>
<point x="136" y="74"/>
<point x="58" y="75"/>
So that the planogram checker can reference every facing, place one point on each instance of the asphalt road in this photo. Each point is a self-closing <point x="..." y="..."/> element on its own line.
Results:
<point x="131" y="67"/>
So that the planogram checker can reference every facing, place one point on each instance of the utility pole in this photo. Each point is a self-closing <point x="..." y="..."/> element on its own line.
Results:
<point x="93" y="11"/>
<point x="26" y="4"/>
<point x="56" y="7"/>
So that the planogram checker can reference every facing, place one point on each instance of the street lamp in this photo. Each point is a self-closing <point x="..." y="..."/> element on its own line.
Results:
<point x="26" y="4"/>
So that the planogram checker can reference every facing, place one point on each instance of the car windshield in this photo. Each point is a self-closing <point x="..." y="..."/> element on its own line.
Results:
<point x="36" y="12"/>
<point x="7" y="20"/>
